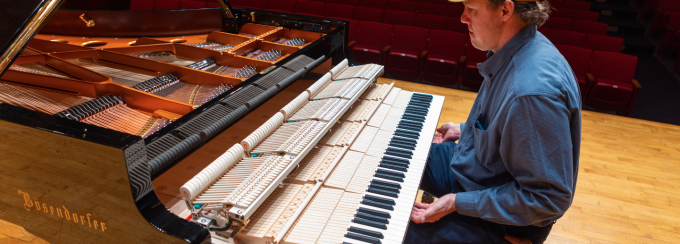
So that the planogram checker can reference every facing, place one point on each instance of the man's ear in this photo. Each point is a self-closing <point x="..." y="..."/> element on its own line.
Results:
<point x="508" y="9"/>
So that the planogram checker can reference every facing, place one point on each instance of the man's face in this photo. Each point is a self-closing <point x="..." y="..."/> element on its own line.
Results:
<point x="484" y="23"/>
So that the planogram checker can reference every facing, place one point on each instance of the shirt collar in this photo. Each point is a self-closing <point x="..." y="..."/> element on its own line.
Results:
<point x="496" y="61"/>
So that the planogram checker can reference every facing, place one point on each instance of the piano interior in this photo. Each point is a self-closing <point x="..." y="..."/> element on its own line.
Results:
<point x="268" y="132"/>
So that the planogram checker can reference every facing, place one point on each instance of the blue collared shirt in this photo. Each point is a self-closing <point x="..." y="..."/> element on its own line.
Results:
<point x="520" y="167"/>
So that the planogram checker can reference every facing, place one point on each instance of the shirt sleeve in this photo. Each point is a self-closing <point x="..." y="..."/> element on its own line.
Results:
<point x="536" y="148"/>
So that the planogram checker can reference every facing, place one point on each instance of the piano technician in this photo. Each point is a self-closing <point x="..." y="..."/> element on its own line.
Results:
<point x="514" y="168"/>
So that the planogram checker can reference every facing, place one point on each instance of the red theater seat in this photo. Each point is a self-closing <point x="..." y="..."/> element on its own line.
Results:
<point x="558" y="24"/>
<point x="285" y="6"/>
<point x="408" y="51"/>
<point x="217" y="5"/>
<point x="560" y="13"/>
<point x="432" y="22"/>
<point x="671" y="37"/>
<point x="348" y="2"/>
<point x="470" y="77"/>
<point x="373" y="40"/>
<point x="256" y="4"/>
<point x="563" y="37"/>
<point x="381" y="4"/>
<point x="454" y="11"/>
<point x="454" y="24"/>
<point x="402" y="5"/>
<point x="394" y="17"/>
<point x="555" y="3"/>
<point x="579" y="60"/>
<point x="444" y="58"/>
<point x="368" y="14"/>
<point x="167" y="4"/>
<point x="590" y="27"/>
<point x="613" y="88"/>
<point x="604" y="43"/>
<point x="189" y="4"/>
<point x="576" y="5"/>
<point x="431" y="8"/>
<point x="586" y="15"/>
<point x="142" y="5"/>
<point x="334" y="10"/>
<point x="311" y="8"/>
<point x="544" y="31"/>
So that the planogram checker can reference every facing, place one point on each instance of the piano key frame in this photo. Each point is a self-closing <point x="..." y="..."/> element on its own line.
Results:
<point x="96" y="174"/>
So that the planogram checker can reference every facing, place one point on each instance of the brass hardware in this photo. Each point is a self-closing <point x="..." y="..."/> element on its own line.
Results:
<point x="89" y="23"/>
<point x="178" y="40"/>
<point x="59" y="40"/>
<point x="33" y="25"/>
<point x="132" y="43"/>
<point x="94" y="44"/>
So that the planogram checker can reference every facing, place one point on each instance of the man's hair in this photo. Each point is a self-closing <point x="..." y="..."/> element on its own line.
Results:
<point x="531" y="12"/>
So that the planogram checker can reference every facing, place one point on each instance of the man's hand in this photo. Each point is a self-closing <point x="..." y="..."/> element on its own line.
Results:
<point x="429" y="213"/>
<point x="447" y="132"/>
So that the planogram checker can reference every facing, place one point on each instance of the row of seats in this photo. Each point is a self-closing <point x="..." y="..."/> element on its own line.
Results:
<point x="143" y="5"/>
<point x="604" y="78"/>
<point x="589" y="41"/>
<point x="575" y="14"/>
<point x="587" y="27"/>
<point x="316" y="8"/>
<point x="570" y="4"/>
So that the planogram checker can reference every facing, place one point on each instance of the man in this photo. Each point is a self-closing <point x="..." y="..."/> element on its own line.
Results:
<point x="513" y="171"/>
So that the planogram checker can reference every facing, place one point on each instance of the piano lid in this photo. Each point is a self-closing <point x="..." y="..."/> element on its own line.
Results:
<point x="19" y="22"/>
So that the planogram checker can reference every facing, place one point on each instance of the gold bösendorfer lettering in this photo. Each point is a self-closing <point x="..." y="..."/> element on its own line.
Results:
<point x="27" y="198"/>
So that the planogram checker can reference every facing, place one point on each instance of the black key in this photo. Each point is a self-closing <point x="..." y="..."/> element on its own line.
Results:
<point x="372" y="218"/>
<point x="366" y="232"/>
<point x="403" y="143"/>
<point x="419" y="104"/>
<point x="380" y="199"/>
<point x="383" y="188"/>
<point x="377" y="204"/>
<point x="389" y="177"/>
<point x="375" y="212"/>
<point x="415" y="123"/>
<point x="402" y="146"/>
<point x="401" y="126"/>
<point x="422" y="96"/>
<point x="363" y="238"/>
<point x="401" y="134"/>
<point x="396" y="160"/>
<point x="399" y="153"/>
<point x="381" y="192"/>
<point x="416" y="111"/>
<point x="411" y="124"/>
<point x="410" y="134"/>
<point x="389" y="172"/>
<point x="413" y="117"/>
<point x="393" y="167"/>
<point x="370" y="223"/>
<point x="405" y="140"/>
<point x="346" y="242"/>
<point x="385" y="183"/>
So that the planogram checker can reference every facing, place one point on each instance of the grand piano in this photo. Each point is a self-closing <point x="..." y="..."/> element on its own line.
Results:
<point x="67" y="177"/>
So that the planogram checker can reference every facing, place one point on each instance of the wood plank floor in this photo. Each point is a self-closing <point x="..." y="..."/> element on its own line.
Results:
<point x="627" y="190"/>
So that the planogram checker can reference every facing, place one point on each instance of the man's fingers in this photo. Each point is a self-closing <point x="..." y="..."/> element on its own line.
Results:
<point x="421" y="205"/>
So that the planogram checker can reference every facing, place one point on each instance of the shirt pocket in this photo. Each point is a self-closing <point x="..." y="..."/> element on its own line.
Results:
<point x="482" y="149"/>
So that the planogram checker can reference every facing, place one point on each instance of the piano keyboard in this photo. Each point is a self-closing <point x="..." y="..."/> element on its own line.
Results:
<point x="351" y="175"/>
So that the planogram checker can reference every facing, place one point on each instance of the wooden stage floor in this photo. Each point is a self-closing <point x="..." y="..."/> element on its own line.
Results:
<point x="627" y="189"/>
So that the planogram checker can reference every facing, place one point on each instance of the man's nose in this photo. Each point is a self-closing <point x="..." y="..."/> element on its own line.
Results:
<point x="465" y="18"/>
